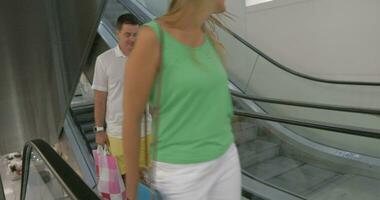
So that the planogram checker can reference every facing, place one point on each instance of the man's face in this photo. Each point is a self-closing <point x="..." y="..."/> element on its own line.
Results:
<point x="127" y="35"/>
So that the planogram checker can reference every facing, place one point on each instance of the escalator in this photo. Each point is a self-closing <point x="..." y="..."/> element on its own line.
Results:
<point x="299" y="137"/>
<point x="47" y="176"/>
<point x="268" y="155"/>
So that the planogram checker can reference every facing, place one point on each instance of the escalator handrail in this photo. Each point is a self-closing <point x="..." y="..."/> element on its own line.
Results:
<point x="307" y="105"/>
<point x="350" y="130"/>
<point x="67" y="177"/>
<point x="139" y="12"/>
<point x="291" y="71"/>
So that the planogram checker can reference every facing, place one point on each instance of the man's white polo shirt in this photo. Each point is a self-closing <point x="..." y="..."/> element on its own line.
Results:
<point x="109" y="77"/>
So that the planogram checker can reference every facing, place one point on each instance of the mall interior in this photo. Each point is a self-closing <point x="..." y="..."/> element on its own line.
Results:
<point x="304" y="77"/>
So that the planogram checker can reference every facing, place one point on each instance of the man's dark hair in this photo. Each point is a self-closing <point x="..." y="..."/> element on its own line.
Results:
<point x="126" y="19"/>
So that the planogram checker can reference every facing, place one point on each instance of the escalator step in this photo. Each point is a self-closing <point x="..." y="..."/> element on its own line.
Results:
<point x="89" y="133"/>
<point x="245" y="132"/>
<point x="88" y="127"/>
<point x="90" y="137"/>
<point x="85" y="118"/>
<point x="274" y="167"/>
<point x="304" y="179"/>
<point x="83" y="109"/>
<point x="257" y="151"/>
<point x="80" y="114"/>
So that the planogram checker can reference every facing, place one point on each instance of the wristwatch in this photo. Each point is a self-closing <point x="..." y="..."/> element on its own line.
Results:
<point x="99" y="128"/>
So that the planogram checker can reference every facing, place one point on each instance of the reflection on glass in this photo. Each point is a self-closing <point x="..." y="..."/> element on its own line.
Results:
<point x="302" y="167"/>
<point x="42" y="184"/>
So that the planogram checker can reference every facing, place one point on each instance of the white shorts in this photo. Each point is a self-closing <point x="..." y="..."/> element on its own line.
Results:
<point x="218" y="179"/>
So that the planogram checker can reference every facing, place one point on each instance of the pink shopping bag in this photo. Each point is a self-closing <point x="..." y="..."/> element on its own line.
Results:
<point x="110" y="183"/>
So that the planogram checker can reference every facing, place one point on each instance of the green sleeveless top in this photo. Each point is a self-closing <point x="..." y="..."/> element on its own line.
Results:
<point x="195" y="103"/>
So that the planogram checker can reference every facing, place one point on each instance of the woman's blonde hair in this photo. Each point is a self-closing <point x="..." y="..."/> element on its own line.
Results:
<point x="176" y="6"/>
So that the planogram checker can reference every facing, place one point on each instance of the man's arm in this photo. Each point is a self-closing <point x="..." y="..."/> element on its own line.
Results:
<point x="100" y="113"/>
<point x="100" y="86"/>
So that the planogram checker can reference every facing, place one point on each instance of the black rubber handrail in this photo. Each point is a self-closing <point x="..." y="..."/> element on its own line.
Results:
<point x="67" y="177"/>
<point x="291" y="71"/>
<point x="350" y="130"/>
<point x="307" y="105"/>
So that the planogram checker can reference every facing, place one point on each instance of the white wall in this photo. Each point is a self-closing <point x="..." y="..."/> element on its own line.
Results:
<point x="236" y="8"/>
<point x="337" y="39"/>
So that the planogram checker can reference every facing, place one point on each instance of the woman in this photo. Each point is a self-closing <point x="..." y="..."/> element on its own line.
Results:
<point x="196" y="157"/>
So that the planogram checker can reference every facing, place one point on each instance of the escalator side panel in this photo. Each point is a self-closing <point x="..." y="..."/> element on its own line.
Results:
<point x="2" y="195"/>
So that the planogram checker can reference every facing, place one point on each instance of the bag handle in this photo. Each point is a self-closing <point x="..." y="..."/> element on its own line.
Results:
<point x="102" y="149"/>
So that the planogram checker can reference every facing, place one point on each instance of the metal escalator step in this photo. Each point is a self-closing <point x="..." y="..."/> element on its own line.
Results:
<point x="90" y="137"/>
<point x="274" y="167"/>
<point x="257" y="151"/>
<point x="263" y="191"/>
<point x="85" y="118"/>
<point x="304" y="179"/>
<point x="87" y="127"/>
<point x="245" y="131"/>
<point x="89" y="133"/>
<point x="83" y="109"/>
<point x="351" y="187"/>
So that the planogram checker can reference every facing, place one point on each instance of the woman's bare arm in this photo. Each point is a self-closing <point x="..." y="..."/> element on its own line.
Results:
<point x="140" y="71"/>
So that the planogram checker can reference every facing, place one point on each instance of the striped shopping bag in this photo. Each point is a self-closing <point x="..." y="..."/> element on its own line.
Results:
<point x="110" y="183"/>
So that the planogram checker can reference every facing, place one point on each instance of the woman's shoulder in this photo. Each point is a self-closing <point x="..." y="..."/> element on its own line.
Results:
<point x="154" y="25"/>
<point x="149" y="31"/>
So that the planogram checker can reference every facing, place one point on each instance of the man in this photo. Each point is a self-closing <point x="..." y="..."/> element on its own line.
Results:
<point x="108" y="85"/>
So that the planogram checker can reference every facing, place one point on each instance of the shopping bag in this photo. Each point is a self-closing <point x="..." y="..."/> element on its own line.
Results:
<point x="110" y="183"/>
